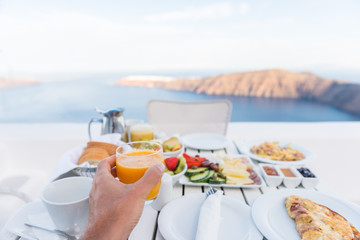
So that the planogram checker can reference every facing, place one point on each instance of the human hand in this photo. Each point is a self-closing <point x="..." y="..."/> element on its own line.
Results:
<point x="115" y="207"/>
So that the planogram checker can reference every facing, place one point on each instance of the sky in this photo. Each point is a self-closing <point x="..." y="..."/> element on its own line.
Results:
<point x="59" y="36"/>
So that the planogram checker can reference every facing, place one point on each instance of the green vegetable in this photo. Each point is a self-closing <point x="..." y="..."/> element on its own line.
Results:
<point x="202" y="177"/>
<point x="181" y="165"/>
<point x="194" y="171"/>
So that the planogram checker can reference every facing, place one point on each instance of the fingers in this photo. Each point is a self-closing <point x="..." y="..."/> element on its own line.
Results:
<point x="106" y="165"/>
<point x="113" y="172"/>
<point x="151" y="177"/>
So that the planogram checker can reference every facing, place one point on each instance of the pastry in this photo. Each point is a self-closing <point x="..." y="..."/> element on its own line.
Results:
<point x="315" y="221"/>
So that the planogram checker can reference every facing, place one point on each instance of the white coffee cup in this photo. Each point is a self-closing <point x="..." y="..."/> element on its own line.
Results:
<point x="67" y="201"/>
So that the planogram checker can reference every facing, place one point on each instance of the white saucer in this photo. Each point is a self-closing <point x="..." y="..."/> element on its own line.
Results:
<point x="16" y="224"/>
<point x="205" y="141"/>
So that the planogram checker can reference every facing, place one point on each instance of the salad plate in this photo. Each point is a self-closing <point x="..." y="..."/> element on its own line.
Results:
<point x="205" y="141"/>
<point x="271" y="218"/>
<point x="245" y="148"/>
<point x="185" y="181"/>
<point x="254" y="175"/>
<point x="179" y="218"/>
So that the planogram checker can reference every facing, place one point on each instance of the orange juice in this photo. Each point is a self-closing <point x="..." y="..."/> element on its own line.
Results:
<point x="131" y="166"/>
<point x="141" y="132"/>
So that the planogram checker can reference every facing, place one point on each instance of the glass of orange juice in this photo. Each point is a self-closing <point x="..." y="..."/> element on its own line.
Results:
<point x="141" y="132"/>
<point x="133" y="161"/>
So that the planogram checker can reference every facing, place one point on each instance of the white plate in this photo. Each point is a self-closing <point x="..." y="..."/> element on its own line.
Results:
<point x="16" y="224"/>
<point x="185" y="180"/>
<point x="270" y="216"/>
<point x="178" y="219"/>
<point x="205" y="141"/>
<point x="245" y="148"/>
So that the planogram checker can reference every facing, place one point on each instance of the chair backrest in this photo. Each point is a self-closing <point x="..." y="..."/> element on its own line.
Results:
<point x="182" y="118"/>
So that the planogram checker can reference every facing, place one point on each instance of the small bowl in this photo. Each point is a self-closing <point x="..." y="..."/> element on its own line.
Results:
<point x="291" y="182"/>
<point x="176" y="177"/>
<point x="174" y="153"/>
<point x="309" y="182"/>
<point x="272" y="181"/>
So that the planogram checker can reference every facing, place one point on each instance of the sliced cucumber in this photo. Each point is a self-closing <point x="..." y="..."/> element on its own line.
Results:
<point x="211" y="174"/>
<point x="194" y="171"/>
<point x="217" y="180"/>
<point x="200" y="177"/>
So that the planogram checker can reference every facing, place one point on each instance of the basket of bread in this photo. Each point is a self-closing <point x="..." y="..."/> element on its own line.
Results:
<point x="83" y="159"/>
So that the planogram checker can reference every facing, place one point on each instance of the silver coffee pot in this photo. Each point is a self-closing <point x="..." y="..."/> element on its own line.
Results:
<point x="112" y="121"/>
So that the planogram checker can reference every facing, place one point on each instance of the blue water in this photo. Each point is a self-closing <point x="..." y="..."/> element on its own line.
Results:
<point x="74" y="101"/>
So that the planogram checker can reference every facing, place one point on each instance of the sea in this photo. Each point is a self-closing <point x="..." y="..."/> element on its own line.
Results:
<point x="74" y="100"/>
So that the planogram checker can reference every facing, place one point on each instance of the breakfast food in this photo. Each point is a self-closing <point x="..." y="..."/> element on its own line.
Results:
<point x="231" y="170"/>
<point x="171" y="145"/>
<point x="287" y="172"/>
<point x="110" y="148"/>
<point x="315" y="221"/>
<point x="306" y="172"/>
<point x="201" y="170"/>
<point x="272" y="151"/>
<point x="270" y="171"/>
<point x="174" y="165"/>
<point x="239" y="171"/>
<point x="94" y="152"/>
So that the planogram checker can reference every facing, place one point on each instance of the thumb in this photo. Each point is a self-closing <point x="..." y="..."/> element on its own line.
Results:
<point x="151" y="177"/>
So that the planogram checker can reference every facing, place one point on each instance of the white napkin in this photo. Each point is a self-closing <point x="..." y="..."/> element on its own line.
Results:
<point x="43" y="220"/>
<point x="69" y="159"/>
<point x="165" y="194"/>
<point x="209" y="218"/>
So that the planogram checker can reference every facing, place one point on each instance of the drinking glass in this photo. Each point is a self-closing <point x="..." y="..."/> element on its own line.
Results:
<point x="141" y="132"/>
<point x="133" y="160"/>
<point x="128" y="124"/>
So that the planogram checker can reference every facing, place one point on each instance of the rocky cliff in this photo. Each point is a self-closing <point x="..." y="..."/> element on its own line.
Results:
<point x="273" y="83"/>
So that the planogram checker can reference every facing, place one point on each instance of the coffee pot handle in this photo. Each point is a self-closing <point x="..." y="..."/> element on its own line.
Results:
<point x="90" y="122"/>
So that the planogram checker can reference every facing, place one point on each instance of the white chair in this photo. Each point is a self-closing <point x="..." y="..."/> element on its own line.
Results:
<point x="173" y="117"/>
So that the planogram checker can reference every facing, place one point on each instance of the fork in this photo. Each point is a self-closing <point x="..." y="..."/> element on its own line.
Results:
<point x="56" y="231"/>
<point x="211" y="191"/>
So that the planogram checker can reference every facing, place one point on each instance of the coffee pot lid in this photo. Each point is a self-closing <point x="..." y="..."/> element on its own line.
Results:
<point x="112" y="112"/>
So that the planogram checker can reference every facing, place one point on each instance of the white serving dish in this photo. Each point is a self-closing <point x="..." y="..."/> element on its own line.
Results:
<point x="176" y="177"/>
<point x="291" y="182"/>
<point x="245" y="148"/>
<point x="272" y="181"/>
<point x="185" y="180"/>
<point x="308" y="182"/>
<point x="174" y="153"/>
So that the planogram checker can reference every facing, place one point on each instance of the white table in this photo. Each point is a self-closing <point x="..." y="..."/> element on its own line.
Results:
<point x="147" y="228"/>
<point x="335" y="145"/>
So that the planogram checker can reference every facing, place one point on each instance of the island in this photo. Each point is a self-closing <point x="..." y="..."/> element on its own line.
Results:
<point x="7" y="82"/>
<point x="273" y="83"/>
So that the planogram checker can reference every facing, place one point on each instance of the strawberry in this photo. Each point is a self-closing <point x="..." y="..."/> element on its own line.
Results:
<point x="171" y="163"/>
